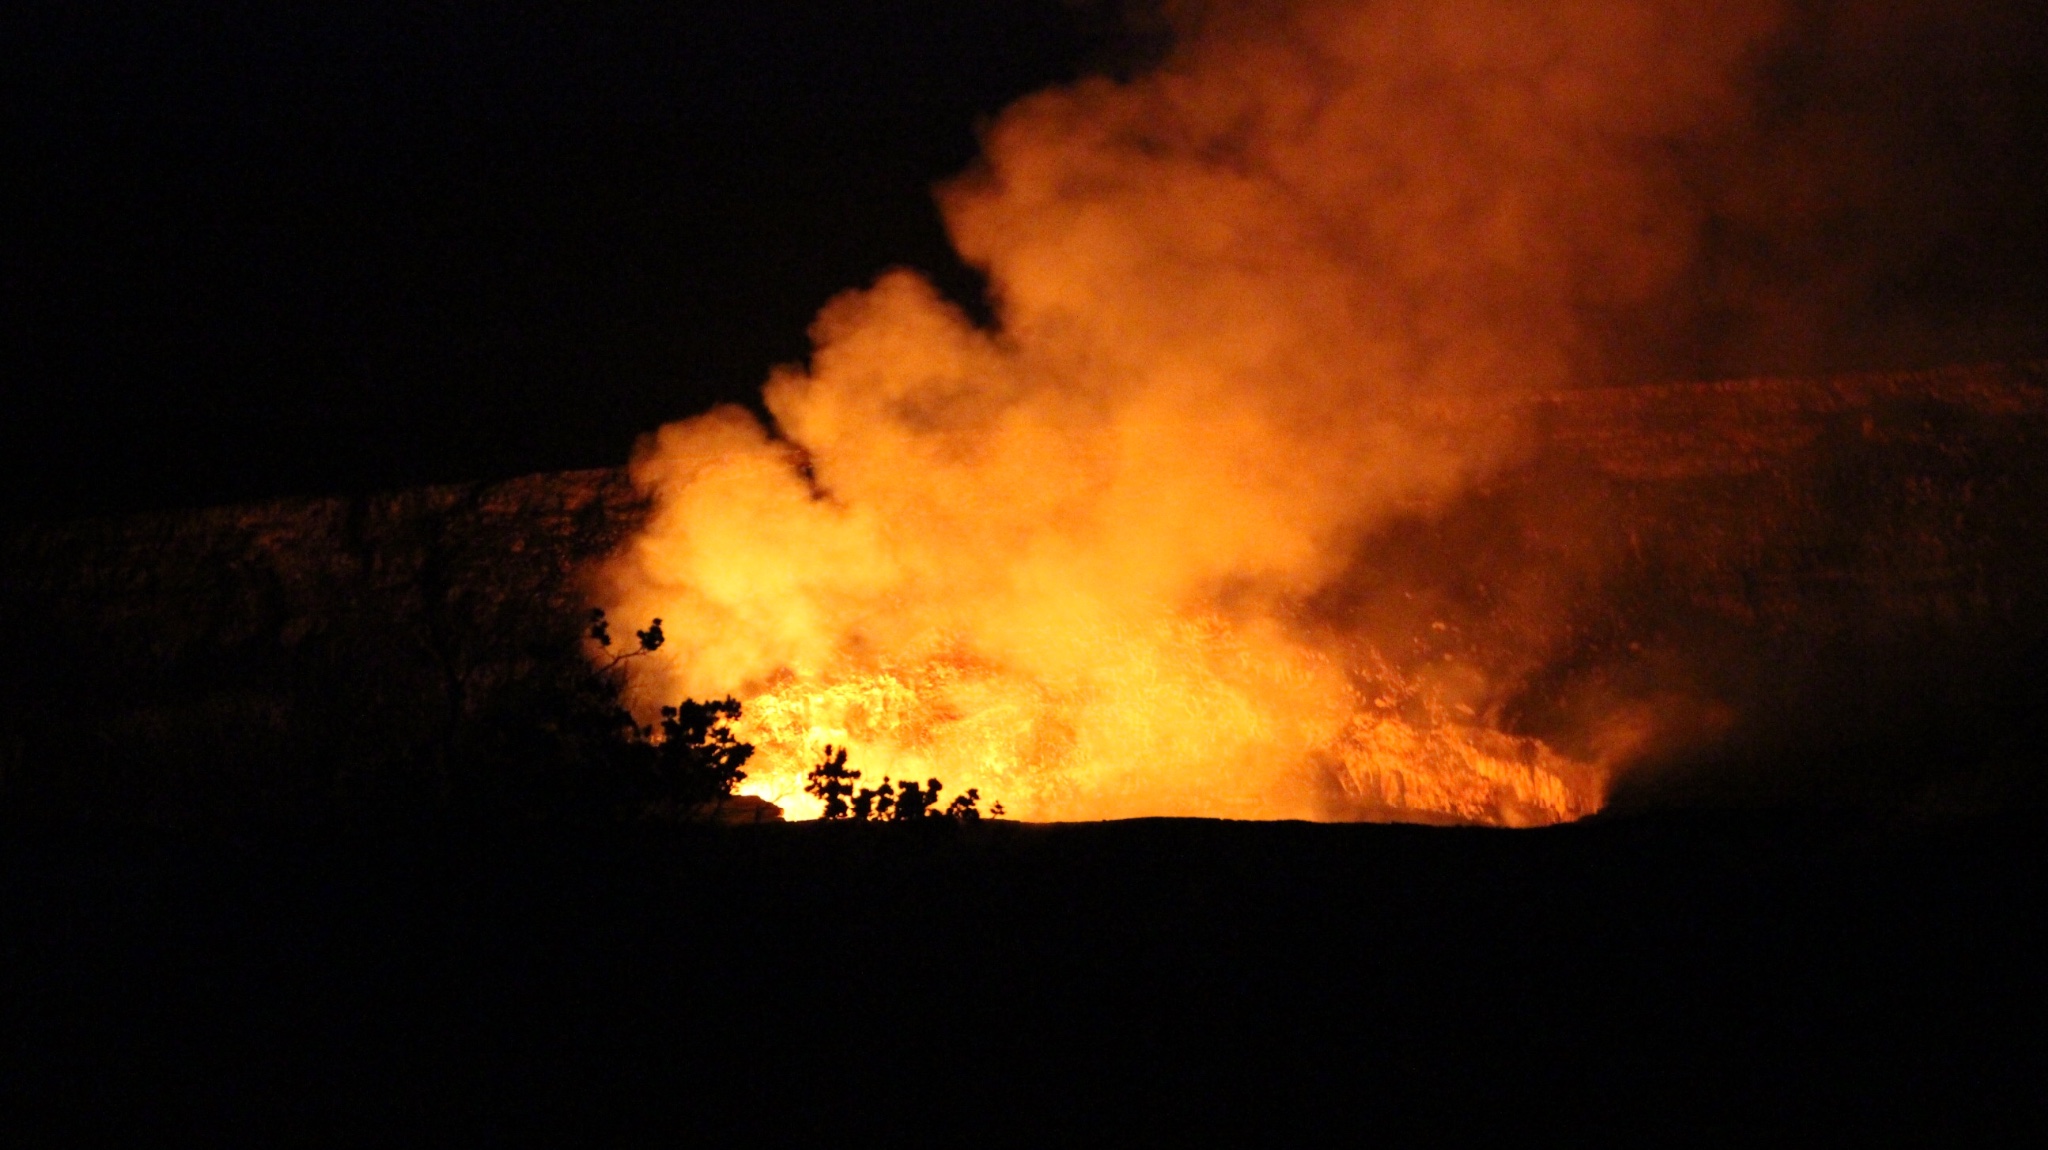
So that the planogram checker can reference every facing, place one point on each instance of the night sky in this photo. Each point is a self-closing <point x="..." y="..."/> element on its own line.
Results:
<point x="261" y="249"/>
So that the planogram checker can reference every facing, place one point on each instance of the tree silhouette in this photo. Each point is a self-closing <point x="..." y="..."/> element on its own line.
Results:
<point x="875" y="803"/>
<point x="831" y="782"/>
<point x="912" y="803"/>
<point x="686" y="766"/>
<point x="963" y="808"/>
<point x="601" y="633"/>
<point x="698" y="760"/>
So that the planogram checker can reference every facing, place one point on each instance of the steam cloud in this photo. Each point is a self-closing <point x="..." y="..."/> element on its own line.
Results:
<point x="1249" y="305"/>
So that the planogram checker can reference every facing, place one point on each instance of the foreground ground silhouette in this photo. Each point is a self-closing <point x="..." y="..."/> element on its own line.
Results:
<point x="1701" y="973"/>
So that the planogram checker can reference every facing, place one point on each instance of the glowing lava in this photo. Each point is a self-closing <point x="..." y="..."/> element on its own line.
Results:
<point x="1137" y="741"/>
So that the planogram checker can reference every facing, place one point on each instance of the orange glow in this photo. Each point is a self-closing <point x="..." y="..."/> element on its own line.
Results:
<point x="1068" y="560"/>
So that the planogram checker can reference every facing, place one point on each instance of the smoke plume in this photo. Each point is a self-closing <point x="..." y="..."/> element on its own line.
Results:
<point x="1251" y="306"/>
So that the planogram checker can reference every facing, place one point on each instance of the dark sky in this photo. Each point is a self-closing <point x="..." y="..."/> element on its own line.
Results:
<point x="254" y="249"/>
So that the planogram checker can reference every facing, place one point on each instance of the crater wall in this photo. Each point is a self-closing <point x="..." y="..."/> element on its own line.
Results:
<point x="1846" y="575"/>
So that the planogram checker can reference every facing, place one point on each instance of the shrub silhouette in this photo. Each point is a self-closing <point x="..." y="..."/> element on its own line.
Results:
<point x="569" y="747"/>
<point x="964" y="808"/>
<point x="831" y="782"/>
<point x="688" y="765"/>
<point x="698" y="760"/>
<point x="912" y="803"/>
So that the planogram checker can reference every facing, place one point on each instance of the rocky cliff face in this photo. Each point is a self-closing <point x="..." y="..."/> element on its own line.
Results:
<point x="283" y="654"/>
<point x="1842" y="580"/>
<point x="1829" y="574"/>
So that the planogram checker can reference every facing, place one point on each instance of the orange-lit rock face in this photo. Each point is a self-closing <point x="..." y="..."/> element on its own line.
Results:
<point x="1067" y="561"/>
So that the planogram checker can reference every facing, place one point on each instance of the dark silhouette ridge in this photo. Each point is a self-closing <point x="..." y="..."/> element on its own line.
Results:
<point x="1122" y="982"/>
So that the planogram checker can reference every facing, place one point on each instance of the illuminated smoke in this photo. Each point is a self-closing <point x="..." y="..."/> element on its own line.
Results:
<point x="1249" y="305"/>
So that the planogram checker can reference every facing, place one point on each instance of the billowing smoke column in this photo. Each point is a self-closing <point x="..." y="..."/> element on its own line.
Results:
<point x="1241" y="303"/>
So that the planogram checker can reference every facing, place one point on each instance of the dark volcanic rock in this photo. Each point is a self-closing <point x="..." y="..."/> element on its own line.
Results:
<point x="1814" y="589"/>
<point x="1851" y="575"/>
<point x="1751" y="591"/>
<point x="288" y="653"/>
